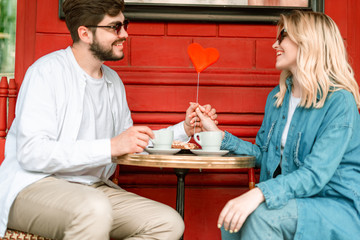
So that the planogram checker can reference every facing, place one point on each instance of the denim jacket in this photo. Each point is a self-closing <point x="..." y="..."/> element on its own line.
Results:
<point x="320" y="164"/>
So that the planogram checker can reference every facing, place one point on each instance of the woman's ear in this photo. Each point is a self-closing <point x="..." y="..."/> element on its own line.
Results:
<point x="85" y="34"/>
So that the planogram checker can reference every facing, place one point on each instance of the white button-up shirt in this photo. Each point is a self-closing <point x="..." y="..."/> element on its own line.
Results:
<point x="43" y="139"/>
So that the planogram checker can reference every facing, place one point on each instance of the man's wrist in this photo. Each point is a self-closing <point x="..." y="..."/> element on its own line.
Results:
<point x="187" y="129"/>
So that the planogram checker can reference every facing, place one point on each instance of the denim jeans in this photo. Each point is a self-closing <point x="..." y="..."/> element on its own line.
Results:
<point x="266" y="224"/>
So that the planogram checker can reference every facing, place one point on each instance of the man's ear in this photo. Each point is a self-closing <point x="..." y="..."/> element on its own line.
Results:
<point x="85" y="34"/>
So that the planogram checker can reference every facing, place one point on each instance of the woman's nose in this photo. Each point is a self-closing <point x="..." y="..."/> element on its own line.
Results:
<point x="275" y="45"/>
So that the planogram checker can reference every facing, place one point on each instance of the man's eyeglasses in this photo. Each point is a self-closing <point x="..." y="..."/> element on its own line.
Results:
<point x="116" y="27"/>
<point x="282" y="35"/>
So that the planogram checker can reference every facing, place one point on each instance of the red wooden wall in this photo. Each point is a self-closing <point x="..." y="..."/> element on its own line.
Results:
<point x="160" y="82"/>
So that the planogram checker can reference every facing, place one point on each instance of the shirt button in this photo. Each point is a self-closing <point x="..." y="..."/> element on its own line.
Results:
<point x="277" y="148"/>
<point x="283" y="117"/>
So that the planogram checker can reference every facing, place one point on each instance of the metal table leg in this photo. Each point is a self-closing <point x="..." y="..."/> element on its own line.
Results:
<point x="180" y="194"/>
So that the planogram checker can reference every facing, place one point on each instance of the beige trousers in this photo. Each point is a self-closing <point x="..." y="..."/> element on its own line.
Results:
<point x="58" y="209"/>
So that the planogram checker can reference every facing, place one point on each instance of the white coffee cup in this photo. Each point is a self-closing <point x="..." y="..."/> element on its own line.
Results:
<point x="163" y="139"/>
<point x="209" y="141"/>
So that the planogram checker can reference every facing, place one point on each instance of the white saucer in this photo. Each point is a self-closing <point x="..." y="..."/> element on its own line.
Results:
<point x="162" y="151"/>
<point x="209" y="153"/>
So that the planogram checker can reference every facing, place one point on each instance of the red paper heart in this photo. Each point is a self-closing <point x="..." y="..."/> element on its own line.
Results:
<point x="202" y="58"/>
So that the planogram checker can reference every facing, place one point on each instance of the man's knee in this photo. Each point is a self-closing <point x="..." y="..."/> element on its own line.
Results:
<point x="176" y="223"/>
<point x="96" y="206"/>
<point x="95" y="212"/>
<point x="170" y="222"/>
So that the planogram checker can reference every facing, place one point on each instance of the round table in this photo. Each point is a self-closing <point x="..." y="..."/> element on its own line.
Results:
<point x="183" y="162"/>
<point x="189" y="161"/>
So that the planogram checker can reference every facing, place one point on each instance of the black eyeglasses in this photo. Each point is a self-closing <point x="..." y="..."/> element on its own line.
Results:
<point x="116" y="27"/>
<point x="282" y="35"/>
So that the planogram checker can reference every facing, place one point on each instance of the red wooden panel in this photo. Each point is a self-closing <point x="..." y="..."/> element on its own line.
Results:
<point x="210" y="77"/>
<point x="159" y="170"/>
<point x="192" y="179"/>
<point x="146" y="29"/>
<point x="353" y="39"/>
<point x="155" y="52"/>
<point x="240" y="119"/>
<point x="48" y="20"/>
<point x="171" y="118"/>
<point x="131" y="176"/>
<point x="234" y="53"/>
<point x="265" y="54"/>
<point x="25" y="37"/>
<point x="191" y="29"/>
<point x="241" y="131"/>
<point x="247" y="30"/>
<point x="338" y="10"/>
<point x="171" y="99"/>
<point x="47" y="43"/>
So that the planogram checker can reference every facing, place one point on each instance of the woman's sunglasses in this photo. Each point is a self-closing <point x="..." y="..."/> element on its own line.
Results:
<point x="116" y="27"/>
<point x="282" y="35"/>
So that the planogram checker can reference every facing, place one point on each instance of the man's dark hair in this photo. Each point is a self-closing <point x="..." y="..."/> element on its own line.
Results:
<point x="88" y="12"/>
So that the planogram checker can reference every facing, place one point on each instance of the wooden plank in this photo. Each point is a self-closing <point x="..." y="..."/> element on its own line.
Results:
<point x="176" y="99"/>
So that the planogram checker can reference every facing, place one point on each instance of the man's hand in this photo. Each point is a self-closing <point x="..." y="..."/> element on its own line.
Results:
<point x="237" y="210"/>
<point x="133" y="140"/>
<point x="192" y="119"/>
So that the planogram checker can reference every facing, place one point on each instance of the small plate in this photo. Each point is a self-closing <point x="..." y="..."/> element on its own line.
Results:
<point x="209" y="153"/>
<point x="162" y="151"/>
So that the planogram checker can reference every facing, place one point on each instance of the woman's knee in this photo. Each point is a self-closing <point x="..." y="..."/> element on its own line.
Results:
<point x="226" y="235"/>
<point x="268" y="223"/>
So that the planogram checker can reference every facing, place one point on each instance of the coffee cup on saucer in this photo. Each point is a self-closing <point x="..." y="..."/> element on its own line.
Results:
<point x="163" y="139"/>
<point x="209" y="141"/>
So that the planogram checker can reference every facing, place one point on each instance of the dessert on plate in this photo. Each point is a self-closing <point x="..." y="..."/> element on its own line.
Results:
<point x="184" y="145"/>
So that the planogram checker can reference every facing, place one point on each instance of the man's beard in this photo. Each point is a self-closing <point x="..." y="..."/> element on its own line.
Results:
<point x="103" y="54"/>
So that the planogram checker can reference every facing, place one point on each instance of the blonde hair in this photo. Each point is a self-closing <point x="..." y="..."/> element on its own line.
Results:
<point x="322" y="64"/>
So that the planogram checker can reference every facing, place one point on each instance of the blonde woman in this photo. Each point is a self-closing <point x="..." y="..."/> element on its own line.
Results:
<point x="308" y="147"/>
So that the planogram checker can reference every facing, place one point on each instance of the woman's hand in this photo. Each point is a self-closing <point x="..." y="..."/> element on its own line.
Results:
<point x="207" y="123"/>
<point x="238" y="209"/>
<point x="192" y="120"/>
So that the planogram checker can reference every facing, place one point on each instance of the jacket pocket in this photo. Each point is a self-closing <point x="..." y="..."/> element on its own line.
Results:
<point x="296" y="150"/>
<point x="265" y="147"/>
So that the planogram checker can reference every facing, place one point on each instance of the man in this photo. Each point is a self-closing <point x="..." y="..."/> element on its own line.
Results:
<point x="71" y="119"/>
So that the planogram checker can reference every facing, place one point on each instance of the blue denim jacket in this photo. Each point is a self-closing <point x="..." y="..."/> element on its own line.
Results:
<point x="320" y="164"/>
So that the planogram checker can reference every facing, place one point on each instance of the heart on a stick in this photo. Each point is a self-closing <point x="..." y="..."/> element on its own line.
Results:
<point x="202" y="58"/>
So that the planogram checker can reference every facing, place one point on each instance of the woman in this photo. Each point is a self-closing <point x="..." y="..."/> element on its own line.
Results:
<point x="308" y="146"/>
